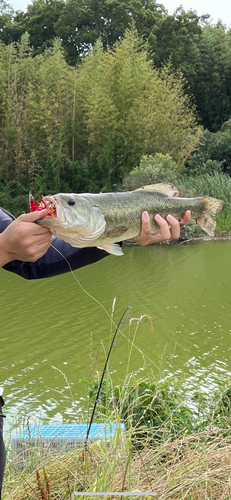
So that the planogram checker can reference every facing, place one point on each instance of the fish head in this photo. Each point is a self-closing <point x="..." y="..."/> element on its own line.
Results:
<point x="74" y="216"/>
<point x="66" y="208"/>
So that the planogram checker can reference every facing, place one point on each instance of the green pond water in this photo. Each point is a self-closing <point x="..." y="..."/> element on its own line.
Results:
<point x="184" y="288"/>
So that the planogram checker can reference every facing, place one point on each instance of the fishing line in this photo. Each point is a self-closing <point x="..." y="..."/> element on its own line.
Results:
<point x="102" y="307"/>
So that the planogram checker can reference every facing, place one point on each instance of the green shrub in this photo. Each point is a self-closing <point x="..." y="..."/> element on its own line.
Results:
<point x="150" y="409"/>
<point x="222" y="405"/>
<point x="152" y="169"/>
<point x="214" y="153"/>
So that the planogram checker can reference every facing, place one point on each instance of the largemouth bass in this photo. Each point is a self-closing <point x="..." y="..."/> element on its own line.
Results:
<point x="101" y="220"/>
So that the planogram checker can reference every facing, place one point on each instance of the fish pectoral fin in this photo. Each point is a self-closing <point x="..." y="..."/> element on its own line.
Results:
<point x="116" y="232"/>
<point x="114" y="249"/>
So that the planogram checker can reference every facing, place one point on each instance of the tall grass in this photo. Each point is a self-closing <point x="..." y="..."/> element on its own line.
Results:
<point x="174" y="458"/>
<point x="195" y="467"/>
<point x="217" y="186"/>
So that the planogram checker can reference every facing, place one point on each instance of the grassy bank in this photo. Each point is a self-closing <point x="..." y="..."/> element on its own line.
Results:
<point x="192" y="467"/>
<point x="177" y="443"/>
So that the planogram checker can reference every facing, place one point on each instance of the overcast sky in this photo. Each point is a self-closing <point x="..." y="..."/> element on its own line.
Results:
<point x="218" y="9"/>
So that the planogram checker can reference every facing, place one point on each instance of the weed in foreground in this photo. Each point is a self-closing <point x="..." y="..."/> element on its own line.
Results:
<point x="194" y="466"/>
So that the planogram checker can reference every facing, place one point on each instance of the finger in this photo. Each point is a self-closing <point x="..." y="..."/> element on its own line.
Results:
<point x="144" y="236"/>
<point x="146" y="225"/>
<point x="164" y="231"/>
<point x="33" y="216"/>
<point x="34" y="228"/>
<point x="186" y="217"/>
<point x="175" y="227"/>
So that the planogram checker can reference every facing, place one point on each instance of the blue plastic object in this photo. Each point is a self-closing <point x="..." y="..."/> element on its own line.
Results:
<point x="61" y="437"/>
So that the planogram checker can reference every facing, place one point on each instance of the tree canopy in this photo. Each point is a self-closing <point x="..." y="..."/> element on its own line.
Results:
<point x="84" y="128"/>
<point x="198" y="49"/>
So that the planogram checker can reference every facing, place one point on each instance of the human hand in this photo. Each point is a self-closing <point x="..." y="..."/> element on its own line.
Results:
<point x="169" y="229"/>
<point x="23" y="240"/>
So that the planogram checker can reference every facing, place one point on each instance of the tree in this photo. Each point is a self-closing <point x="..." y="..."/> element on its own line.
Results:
<point x="212" y="87"/>
<point x="130" y="109"/>
<point x="65" y="128"/>
<point x="82" y="22"/>
<point x="38" y="21"/>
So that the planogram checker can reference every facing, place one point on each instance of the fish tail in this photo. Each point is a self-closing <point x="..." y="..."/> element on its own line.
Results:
<point x="207" y="220"/>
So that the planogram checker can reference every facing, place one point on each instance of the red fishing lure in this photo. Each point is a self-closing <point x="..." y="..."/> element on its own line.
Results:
<point x="33" y="207"/>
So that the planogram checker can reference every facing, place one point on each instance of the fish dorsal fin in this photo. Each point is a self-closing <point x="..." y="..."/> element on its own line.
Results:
<point x="166" y="188"/>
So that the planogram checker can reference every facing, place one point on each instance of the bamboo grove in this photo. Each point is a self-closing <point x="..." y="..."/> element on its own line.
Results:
<point x="84" y="98"/>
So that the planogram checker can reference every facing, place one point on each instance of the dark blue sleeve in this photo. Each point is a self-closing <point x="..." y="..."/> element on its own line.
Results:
<point x="52" y="263"/>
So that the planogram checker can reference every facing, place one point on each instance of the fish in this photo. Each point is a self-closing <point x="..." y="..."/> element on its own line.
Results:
<point x="102" y="220"/>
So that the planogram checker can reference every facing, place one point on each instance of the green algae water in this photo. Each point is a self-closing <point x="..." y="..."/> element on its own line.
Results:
<point x="54" y="336"/>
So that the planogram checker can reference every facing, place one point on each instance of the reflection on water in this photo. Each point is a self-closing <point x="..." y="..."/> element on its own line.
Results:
<point x="50" y="327"/>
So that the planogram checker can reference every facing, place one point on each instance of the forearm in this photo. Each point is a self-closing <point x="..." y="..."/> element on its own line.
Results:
<point x="54" y="263"/>
<point x="50" y="264"/>
<point x="4" y="255"/>
<point x="5" y="219"/>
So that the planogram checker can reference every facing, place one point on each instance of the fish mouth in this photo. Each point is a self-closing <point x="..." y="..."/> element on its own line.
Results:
<point x="48" y="202"/>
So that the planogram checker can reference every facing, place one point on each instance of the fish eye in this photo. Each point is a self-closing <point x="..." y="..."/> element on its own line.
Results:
<point x="71" y="202"/>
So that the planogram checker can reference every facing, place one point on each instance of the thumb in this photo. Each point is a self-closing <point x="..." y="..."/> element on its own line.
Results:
<point x="33" y="216"/>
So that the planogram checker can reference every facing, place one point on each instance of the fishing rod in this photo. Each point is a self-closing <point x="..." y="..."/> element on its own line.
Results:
<point x="101" y="380"/>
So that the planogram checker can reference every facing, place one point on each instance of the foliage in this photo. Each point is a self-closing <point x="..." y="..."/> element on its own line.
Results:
<point x="152" y="169"/>
<point x="202" y="53"/>
<point x="149" y="409"/>
<point x="155" y="410"/>
<point x="212" y="85"/>
<point x="215" y="148"/>
<point x="13" y="196"/>
<point x="79" y="24"/>
<point x="130" y="110"/>
<point x="82" y="129"/>
<point x="39" y="22"/>
<point x="36" y="113"/>
<point x="199" y="50"/>
<point x="176" y="37"/>
<point x="177" y="440"/>
<point x="222" y="406"/>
